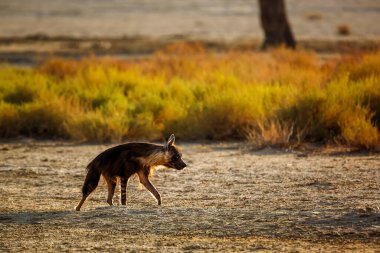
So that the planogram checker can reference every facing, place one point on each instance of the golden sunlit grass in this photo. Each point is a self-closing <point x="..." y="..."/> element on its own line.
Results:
<point x="281" y="98"/>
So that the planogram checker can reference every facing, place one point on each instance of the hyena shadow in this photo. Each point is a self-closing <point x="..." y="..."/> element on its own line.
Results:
<point x="33" y="217"/>
<point x="68" y="217"/>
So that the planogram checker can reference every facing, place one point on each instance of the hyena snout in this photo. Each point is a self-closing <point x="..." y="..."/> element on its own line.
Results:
<point x="180" y="165"/>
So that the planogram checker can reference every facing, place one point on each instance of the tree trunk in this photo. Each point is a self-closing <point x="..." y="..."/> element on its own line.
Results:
<point x="275" y="24"/>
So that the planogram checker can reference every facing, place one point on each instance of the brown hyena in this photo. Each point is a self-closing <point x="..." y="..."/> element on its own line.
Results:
<point x="125" y="160"/>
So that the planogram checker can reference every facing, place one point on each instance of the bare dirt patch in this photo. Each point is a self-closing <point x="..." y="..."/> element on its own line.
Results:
<point x="228" y="199"/>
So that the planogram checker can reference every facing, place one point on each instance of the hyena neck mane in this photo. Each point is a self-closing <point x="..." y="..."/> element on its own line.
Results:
<point x="155" y="158"/>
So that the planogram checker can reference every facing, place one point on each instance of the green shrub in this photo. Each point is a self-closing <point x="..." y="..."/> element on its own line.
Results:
<point x="279" y="98"/>
<point x="9" y="121"/>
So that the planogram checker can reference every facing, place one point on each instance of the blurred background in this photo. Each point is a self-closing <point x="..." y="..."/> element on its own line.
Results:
<point x="216" y="19"/>
<point x="220" y="70"/>
<point x="141" y="26"/>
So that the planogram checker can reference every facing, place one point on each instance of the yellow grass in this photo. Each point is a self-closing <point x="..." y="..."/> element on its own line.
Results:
<point x="281" y="97"/>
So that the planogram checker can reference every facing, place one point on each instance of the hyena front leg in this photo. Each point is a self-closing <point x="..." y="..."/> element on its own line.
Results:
<point x="148" y="185"/>
<point x="123" y="186"/>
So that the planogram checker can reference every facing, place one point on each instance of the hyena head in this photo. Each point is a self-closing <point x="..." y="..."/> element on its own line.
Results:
<point x="174" y="157"/>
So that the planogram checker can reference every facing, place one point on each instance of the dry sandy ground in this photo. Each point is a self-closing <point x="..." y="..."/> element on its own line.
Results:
<point x="228" y="199"/>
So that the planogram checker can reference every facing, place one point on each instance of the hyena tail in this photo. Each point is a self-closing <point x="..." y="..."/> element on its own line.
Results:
<point x="90" y="183"/>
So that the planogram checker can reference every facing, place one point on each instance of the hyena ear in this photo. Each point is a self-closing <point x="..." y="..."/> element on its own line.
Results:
<point x="170" y="142"/>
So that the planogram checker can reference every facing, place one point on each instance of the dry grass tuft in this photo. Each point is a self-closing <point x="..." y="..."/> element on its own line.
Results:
<point x="313" y="16"/>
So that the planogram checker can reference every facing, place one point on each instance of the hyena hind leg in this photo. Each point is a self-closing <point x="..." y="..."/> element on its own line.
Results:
<point x="111" y="182"/>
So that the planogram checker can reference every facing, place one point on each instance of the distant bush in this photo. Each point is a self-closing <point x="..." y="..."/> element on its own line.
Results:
<point x="281" y="98"/>
<point x="343" y="30"/>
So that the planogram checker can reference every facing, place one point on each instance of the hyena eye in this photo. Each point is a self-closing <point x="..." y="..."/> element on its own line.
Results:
<point x="176" y="157"/>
